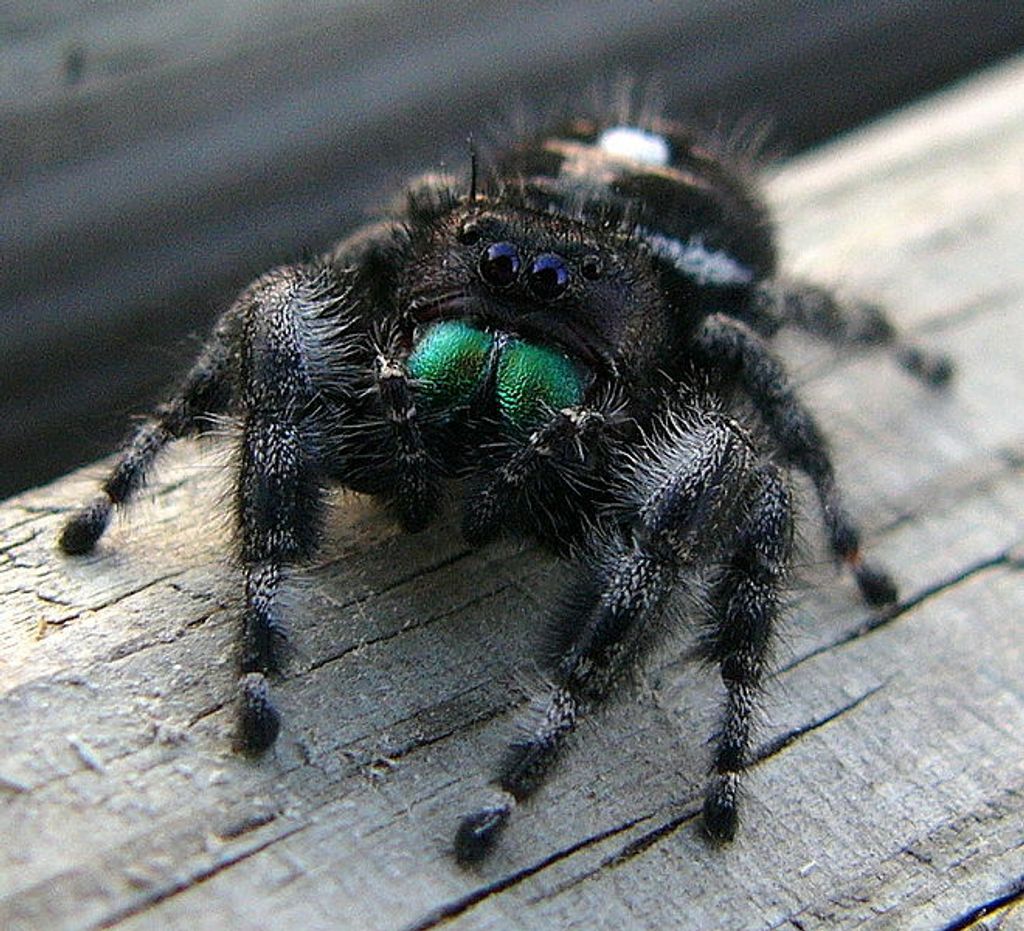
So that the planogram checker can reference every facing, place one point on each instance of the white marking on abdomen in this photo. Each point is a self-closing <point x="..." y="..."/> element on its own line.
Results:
<point x="697" y="261"/>
<point x="635" y="145"/>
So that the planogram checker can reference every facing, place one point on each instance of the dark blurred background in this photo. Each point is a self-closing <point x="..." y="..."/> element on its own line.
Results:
<point x="155" y="156"/>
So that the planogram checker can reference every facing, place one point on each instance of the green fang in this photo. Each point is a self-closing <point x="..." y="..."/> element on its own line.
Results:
<point x="450" y="361"/>
<point x="533" y="380"/>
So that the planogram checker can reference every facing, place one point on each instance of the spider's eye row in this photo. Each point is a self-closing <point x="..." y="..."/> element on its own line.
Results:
<point x="499" y="264"/>
<point x="548" y="276"/>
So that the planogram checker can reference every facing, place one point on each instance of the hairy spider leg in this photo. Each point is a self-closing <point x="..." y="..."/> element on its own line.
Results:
<point x="726" y="343"/>
<point x="280" y="483"/>
<point x="745" y="607"/>
<point x="689" y="489"/>
<point x="205" y="391"/>
<point x="778" y="302"/>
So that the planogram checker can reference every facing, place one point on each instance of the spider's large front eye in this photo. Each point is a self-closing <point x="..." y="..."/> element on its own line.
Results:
<point x="548" y="276"/>
<point x="500" y="264"/>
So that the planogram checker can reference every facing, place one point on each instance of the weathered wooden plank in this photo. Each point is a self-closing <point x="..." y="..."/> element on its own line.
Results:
<point x="891" y="788"/>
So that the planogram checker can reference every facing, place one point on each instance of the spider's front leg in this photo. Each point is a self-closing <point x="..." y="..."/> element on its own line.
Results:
<point x="687" y="491"/>
<point x="291" y="321"/>
<point x="745" y="604"/>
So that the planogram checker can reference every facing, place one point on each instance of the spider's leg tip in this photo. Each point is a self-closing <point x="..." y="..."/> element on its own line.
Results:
<point x="876" y="585"/>
<point x="941" y="372"/>
<point x="478" y="832"/>
<point x="935" y="369"/>
<point x="258" y="721"/>
<point x="721" y="812"/>
<point x="85" y="527"/>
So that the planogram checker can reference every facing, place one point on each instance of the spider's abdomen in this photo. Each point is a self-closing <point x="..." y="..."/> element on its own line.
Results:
<point x="698" y="209"/>
<point x="456" y="365"/>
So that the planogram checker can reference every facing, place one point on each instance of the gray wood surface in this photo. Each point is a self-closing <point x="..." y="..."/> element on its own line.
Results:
<point x="155" y="156"/>
<point x="890" y="792"/>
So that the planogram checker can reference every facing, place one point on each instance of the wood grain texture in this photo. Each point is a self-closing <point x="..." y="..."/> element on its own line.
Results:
<point x="890" y="789"/>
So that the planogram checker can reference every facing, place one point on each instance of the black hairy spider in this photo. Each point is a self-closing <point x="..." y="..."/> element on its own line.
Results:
<point x="581" y="343"/>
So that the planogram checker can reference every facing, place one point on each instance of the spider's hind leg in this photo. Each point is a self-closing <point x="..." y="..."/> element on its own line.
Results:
<point x="842" y="323"/>
<point x="727" y="346"/>
<point x="205" y="391"/>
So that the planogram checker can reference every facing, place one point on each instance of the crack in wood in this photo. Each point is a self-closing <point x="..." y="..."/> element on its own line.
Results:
<point x="782" y="741"/>
<point x="423" y="741"/>
<point x="887" y="616"/>
<point x="1008" y="899"/>
<point x="456" y="557"/>
<point x="943" y="852"/>
<point x="645" y="841"/>
<point x="121" y="596"/>
<point x="399" y="631"/>
<point x="250" y="821"/>
<point x="8" y="547"/>
<point x="164" y="891"/>
<point x="456" y="907"/>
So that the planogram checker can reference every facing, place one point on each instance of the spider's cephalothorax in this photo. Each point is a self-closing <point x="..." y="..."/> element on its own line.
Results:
<point x="582" y="343"/>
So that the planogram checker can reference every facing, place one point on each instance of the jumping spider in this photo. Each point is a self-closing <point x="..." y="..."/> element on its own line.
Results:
<point x="581" y="343"/>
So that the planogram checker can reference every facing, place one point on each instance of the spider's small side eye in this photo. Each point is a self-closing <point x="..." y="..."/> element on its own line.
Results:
<point x="548" y="276"/>
<point x="592" y="267"/>
<point x="469" y="233"/>
<point x="499" y="264"/>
